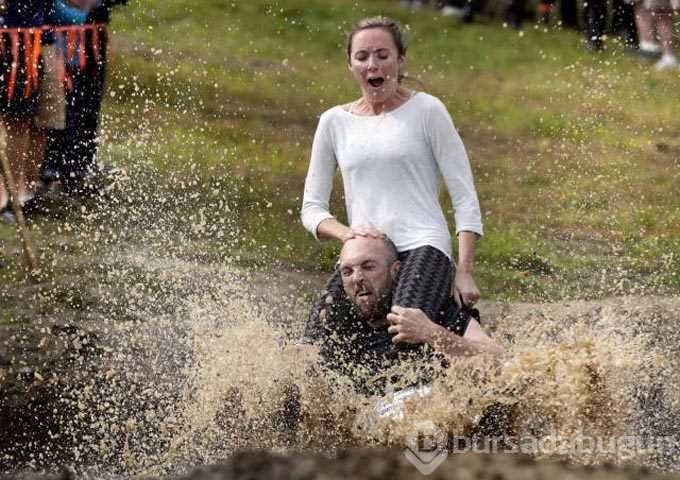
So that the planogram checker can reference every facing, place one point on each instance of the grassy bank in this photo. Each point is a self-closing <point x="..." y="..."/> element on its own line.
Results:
<point x="575" y="156"/>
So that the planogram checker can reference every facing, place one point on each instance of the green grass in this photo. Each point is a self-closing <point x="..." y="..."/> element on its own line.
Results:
<point x="575" y="156"/>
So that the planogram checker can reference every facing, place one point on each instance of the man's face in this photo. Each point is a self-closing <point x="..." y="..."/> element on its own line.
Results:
<point x="367" y="275"/>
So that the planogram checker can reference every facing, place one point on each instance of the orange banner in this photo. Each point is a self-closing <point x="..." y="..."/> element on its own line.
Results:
<point x="29" y="41"/>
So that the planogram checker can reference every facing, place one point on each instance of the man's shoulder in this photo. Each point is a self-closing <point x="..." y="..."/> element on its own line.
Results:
<point x="336" y="316"/>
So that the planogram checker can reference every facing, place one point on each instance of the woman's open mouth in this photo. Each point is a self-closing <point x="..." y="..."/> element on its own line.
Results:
<point x="376" y="82"/>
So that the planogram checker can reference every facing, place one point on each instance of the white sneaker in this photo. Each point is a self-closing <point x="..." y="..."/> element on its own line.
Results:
<point x="451" y="11"/>
<point x="667" y="62"/>
<point x="650" y="47"/>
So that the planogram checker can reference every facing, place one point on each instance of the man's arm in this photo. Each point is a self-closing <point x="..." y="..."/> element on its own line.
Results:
<point x="411" y="325"/>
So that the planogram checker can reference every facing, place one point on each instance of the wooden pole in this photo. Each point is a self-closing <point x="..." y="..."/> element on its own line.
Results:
<point x="7" y="176"/>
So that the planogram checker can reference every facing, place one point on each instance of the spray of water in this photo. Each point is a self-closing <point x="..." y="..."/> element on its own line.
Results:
<point x="184" y="361"/>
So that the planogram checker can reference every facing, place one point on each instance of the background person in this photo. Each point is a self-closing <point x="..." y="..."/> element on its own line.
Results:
<point x="596" y="23"/>
<point x="654" y="19"/>
<point x="623" y="23"/>
<point x="20" y="74"/>
<point x="71" y="152"/>
<point x="392" y="146"/>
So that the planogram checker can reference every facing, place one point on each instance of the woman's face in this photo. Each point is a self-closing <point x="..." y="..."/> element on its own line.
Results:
<point x="375" y="63"/>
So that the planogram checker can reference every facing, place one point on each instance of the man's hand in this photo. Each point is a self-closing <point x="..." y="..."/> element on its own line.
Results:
<point x="465" y="288"/>
<point x="410" y="325"/>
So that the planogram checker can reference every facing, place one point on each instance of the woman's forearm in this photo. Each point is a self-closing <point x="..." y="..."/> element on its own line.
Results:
<point x="330" y="228"/>
<point x="448" y="342"/>
<point x="466" y="251"/>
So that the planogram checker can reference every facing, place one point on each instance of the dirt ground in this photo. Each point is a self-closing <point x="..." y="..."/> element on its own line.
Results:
<point x="374" y="464"/>
<point x="383" y="464"/>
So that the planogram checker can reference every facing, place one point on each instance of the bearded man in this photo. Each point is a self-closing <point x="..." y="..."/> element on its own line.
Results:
<point x="364" y="336"/>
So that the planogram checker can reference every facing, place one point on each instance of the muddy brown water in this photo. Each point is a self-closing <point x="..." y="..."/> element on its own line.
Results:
<point x="194" y="368"/>
<point x="159" y="364"/>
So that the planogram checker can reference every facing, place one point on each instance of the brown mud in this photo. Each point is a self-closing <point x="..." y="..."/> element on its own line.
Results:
<point x="142" y="357"/>
<point x="199" y="374"/>
<point x="374" y="464"/>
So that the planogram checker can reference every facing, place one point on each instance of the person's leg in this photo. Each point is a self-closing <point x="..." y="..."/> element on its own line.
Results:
<point x="514" y="14"/>
<point x="95" y="87"/>
<point x="55" y="166"/>
<point x="617" y="20"/>
<point x="18" y="145"/>
<point x="596" y="15"/>
<point x="51" y="167"/>
<point x="664" y="30"/>
<point x="77" y="163"/>
<point x="88" y="106"/>
<point x="569" y="14"/>
<point x="424" y="281"/>
<point x="630" y="33"/>
<point x="35" y="156"/>
<point x="25" y="148"/>
<point x="51" y="114"/>
<point x="645" y="26"/>
<point x="623" y="22"/>
<point x="663" y="20"/>
<point x="4" y="194"/>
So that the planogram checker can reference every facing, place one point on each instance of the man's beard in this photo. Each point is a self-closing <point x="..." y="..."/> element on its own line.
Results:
<point x="377" y="318"/>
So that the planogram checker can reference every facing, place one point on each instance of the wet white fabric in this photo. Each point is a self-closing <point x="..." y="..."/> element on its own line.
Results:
<point x="391" y="166"/>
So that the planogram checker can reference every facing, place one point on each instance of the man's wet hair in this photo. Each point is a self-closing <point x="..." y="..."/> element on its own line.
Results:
<point x="392" y="253"/>
<point x="391" y="250"/>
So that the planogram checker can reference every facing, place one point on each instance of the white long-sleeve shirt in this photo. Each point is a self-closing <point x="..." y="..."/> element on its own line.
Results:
<point x="391" y="165"/>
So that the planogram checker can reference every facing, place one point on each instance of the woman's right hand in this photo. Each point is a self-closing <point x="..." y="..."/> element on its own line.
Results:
<point x="331" y="228"/>
<point x="362" y="231"/>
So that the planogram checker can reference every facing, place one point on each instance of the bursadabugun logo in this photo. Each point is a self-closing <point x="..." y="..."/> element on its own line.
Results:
<point x="426" y="447"/>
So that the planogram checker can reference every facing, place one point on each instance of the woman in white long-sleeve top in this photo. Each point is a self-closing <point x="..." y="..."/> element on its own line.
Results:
<point x="393" y="145"/>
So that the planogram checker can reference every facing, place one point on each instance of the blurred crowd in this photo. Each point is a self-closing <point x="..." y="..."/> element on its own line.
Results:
<point x="52" y="72"/>
<point x="643" y="26"/>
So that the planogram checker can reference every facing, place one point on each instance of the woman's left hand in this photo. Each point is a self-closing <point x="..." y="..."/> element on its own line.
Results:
<point x="465" y="289"/>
